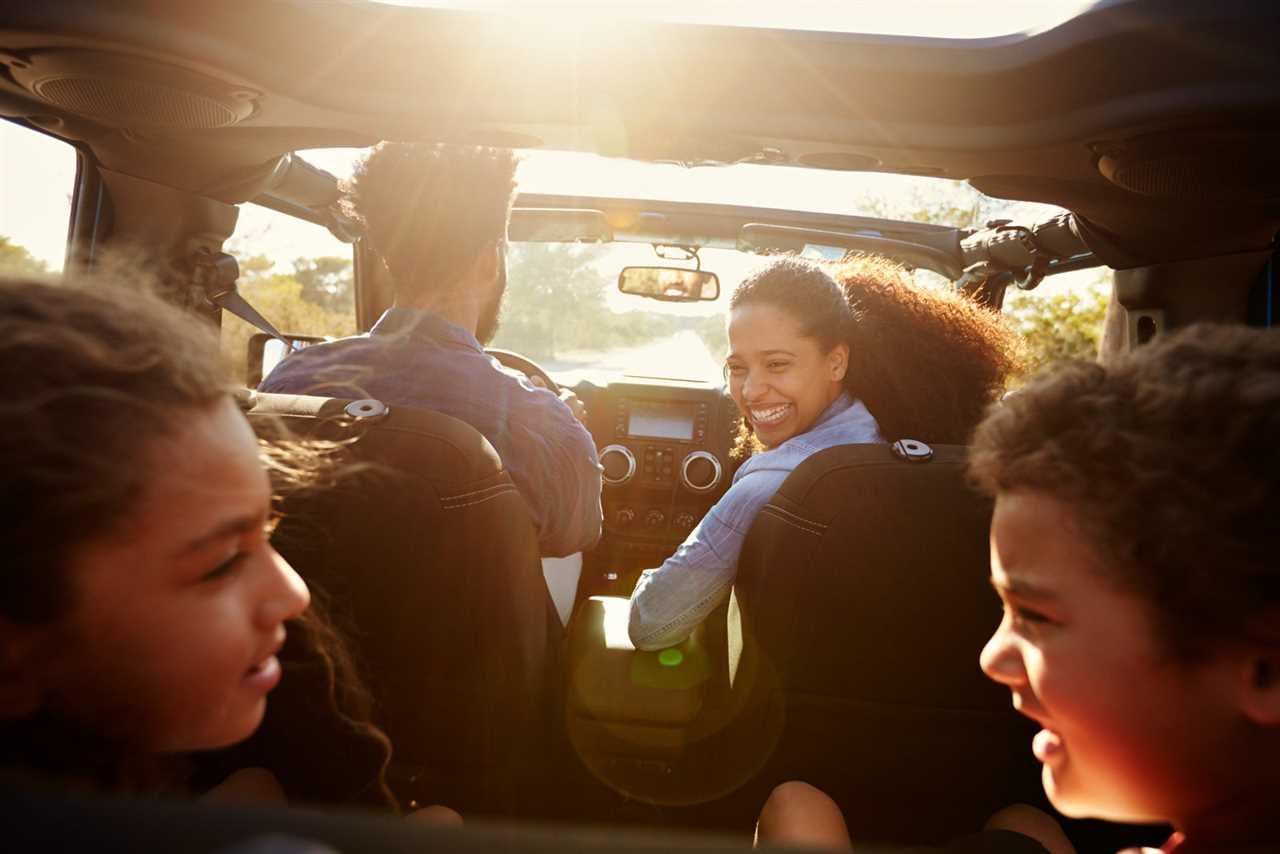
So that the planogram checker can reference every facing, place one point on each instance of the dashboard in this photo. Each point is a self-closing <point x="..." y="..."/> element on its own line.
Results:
<point x="664" y="446"/>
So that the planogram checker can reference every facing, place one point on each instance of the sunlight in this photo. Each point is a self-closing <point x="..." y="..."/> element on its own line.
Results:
<point x="927" y="18"/>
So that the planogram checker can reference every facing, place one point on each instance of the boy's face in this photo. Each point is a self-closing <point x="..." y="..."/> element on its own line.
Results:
<point x="1130" y="733"/>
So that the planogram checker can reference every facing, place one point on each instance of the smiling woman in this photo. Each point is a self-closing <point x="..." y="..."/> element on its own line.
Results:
<point x="816" y="362"/>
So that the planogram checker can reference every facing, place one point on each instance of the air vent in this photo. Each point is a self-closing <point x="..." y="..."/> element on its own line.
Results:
<point x="127" y="91"/>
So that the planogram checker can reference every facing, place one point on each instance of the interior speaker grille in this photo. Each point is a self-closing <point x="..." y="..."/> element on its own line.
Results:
<point x="1197" y="166"/>
<point x="132" y="102"/>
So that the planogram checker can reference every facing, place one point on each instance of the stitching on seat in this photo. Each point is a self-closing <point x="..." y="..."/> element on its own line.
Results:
<point x="473" y="493"/>
<point x="458" y="506"/>
<point x="791" y="515"/>
<point x="821" y="526"/>
<point x="769" y="508"/>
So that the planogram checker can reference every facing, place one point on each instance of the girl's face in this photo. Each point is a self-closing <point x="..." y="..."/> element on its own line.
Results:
<point x="1129" y="733"/>
<point x="779" y="377"/>
<point x="177" y="615"/>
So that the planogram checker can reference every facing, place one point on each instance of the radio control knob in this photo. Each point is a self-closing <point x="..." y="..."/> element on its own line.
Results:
<point x="655" y="518"/>
<point x="624" y="517"/>
<point x="700" y="471"/>
<point x="684" y="522"/>
<point x="619" y="464"/>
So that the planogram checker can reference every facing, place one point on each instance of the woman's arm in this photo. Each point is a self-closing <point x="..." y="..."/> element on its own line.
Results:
<point x="670" y="601"/>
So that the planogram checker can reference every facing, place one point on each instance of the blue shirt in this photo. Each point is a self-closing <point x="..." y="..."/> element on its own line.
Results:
<point x="419" y="359"/>
<point x="670" y="601"/>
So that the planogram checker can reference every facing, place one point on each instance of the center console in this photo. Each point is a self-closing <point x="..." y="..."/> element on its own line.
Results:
<point x="664" y="446"/>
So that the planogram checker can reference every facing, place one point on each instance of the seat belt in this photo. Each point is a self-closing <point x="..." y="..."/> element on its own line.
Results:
<point x="216" y="273"/>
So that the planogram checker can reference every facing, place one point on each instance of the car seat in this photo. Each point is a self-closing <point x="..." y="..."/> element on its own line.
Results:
<point x="428" y="557"/>
<point x="861" y="604"/>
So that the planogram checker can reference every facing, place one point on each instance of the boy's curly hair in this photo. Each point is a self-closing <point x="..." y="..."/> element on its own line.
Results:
<point x="1170" y="460"/>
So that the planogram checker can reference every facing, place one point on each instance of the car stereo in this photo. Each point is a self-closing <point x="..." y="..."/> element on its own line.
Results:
<point x="675" y="420"/>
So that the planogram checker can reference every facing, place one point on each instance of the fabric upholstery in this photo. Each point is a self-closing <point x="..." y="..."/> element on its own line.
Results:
<point x="429" y="559"/>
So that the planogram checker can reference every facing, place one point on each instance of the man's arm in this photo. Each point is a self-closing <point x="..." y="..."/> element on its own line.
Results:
<point x="554" y="464"/>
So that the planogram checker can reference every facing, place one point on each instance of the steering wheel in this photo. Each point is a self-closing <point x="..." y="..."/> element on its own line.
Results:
<point x="528" y="367"/>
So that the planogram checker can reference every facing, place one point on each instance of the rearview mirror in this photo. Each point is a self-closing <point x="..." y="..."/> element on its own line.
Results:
<point x="671" y="284"/>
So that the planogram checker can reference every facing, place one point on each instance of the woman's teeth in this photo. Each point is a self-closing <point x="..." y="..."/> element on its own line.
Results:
<point x="770" y="415"/>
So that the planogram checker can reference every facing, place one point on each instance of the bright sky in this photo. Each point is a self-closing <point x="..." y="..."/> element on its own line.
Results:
<point x="940" y="18"/>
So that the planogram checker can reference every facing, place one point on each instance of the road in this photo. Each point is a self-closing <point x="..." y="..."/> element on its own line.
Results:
<point x="681" y="356"/>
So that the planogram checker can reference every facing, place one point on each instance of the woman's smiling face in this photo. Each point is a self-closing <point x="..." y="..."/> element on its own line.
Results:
<point x="778" y="376"/>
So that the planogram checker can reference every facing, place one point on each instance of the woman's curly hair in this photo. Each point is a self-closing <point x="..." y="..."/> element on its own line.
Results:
<point x="925" y="362"/>
<point x="1168" y="458"/>
<point x="93" y="375"/>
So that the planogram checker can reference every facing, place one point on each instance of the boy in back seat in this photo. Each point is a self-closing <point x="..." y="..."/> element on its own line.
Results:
<point x="1136" y="547"/>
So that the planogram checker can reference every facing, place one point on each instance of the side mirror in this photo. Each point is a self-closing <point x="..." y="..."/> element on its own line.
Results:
<point x="266" y="351"/>
<point x="670" y="284"/>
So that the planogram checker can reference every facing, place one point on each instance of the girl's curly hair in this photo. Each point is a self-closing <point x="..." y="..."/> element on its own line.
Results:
<point x="93" y="375"/>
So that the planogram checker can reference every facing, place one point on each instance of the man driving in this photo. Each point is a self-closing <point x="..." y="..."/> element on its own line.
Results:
<point x="437" y="216"/>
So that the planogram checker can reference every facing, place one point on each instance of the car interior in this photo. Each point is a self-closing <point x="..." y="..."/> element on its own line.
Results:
<point x="1151" y="126"/>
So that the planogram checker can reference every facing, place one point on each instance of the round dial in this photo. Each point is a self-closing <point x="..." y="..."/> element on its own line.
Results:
<point x="700" y="471"/>
<point x="619" y="464"/>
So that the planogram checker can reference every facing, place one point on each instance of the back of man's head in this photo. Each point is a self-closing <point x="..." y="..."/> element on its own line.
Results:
<point x="429" y="210"/>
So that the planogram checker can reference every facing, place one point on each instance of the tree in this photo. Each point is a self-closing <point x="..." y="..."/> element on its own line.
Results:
<point x="1066" y="325"/>
<point x="278" y="298"/>
<point x="15" y="260"/>
<point x="326" y="281"/>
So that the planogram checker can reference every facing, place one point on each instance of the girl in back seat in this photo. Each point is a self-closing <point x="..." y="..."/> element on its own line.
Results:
<point x="144" y="616"/>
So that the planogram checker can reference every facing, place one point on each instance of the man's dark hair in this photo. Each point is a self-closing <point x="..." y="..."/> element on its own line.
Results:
<point x="430" y="209"/>
<point x="1170" y="460"/>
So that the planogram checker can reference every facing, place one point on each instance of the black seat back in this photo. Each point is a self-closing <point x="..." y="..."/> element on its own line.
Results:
<point x="429" y="558"/>
<point x="861" y="604"/>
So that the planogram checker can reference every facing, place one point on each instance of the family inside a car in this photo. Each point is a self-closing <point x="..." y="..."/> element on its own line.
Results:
<point x="147" y="618"/>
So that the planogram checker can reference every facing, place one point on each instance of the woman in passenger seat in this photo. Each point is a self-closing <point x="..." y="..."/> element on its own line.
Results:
<point x="814" y="362"/>
<point x="144" y="616"/>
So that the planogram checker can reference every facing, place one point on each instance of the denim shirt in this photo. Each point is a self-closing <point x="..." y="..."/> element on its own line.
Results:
<point x="418" y="359"/>
<point x="670" y="601"/>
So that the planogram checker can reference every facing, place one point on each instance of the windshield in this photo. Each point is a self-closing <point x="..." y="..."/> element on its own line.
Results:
<point x="563" y="310"/>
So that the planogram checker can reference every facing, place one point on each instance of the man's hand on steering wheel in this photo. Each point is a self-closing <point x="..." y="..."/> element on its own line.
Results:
<point x="571" y="400"/>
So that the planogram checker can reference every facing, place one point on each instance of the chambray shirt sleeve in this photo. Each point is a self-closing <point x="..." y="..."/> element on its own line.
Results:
<point x="552" y="461"/>
<point x="668" y="602"/>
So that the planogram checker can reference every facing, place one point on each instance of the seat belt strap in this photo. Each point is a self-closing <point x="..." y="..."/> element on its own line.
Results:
<point x="215" y="273"/>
